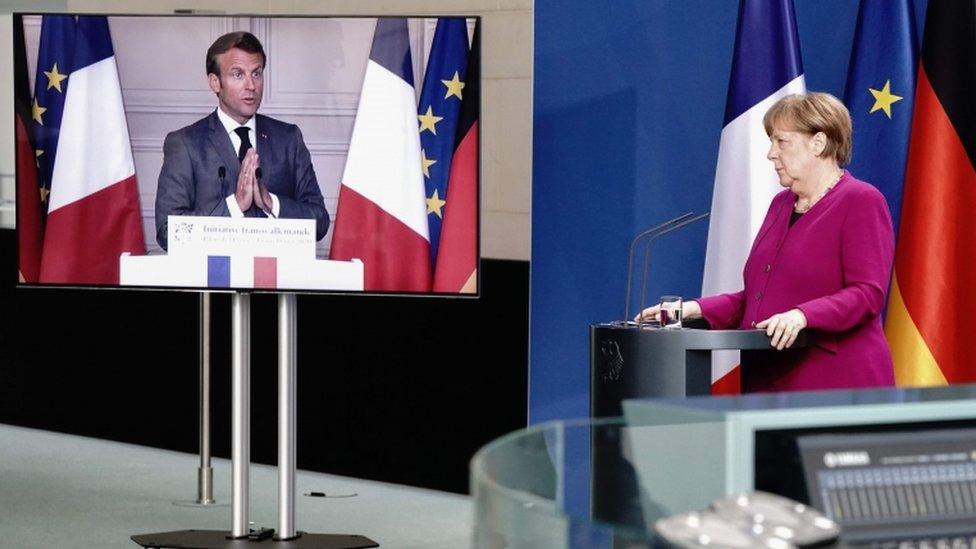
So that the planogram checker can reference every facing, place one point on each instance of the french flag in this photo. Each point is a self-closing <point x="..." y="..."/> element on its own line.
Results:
<point x="766" y="66"/>
<point x="382" y="212"/>
<point x="223" y="272"/>
<point x="93" y="208"/>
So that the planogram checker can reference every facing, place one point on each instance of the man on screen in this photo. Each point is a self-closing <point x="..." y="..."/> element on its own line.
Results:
<point x="235" y="162"/>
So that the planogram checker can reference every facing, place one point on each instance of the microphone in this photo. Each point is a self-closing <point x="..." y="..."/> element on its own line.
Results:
<point x="647" y="253"/>
<point x="633" y="246"/>
<point x="268" y="212"/>
<point x="221" y="174"/>
<point x="653" y="234"/>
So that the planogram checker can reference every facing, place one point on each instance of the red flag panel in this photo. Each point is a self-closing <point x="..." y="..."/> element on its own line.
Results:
<point x="30" y="228"/>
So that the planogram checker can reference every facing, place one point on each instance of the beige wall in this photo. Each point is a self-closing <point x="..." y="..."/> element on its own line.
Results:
<point x="506" y="116"/>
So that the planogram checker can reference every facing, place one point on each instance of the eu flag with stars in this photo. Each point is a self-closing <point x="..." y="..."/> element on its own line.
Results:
<point x="880" y="94"/>
<point x="54" y="65"/>
<point x="440" y="102"/>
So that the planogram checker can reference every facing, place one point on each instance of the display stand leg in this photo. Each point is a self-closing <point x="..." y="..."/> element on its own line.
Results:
<point x="204" y="471"/>
<point x="240" y="450"/>
<point x="287" y="406"/>
<point x="287" y="370"/>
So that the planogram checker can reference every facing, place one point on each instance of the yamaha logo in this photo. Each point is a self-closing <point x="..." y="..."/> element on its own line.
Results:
<point x="846" y="459"/>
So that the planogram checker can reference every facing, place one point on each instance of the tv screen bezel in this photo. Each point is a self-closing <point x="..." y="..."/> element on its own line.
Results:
<point x="17" y="18"/>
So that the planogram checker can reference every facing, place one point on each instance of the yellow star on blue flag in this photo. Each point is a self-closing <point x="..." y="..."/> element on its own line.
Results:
<point x="426" y="163"/>
<point x="54" y="78"/>
<point x="883" y="98"/>
<point x="435" y="204"/>
<point x="37" y="112"/>
<point x="454" y="87"/>
<point x="428" y="121"/>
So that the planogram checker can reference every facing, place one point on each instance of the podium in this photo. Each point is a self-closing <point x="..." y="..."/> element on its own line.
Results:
<point x="628" y="362"/>
<point x="220" y="253"/>
<point x="631" y="362"/>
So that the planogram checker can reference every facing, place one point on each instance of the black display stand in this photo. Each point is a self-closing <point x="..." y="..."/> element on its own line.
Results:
<point x="631" y="362"/>
<point x="240" y="535"/>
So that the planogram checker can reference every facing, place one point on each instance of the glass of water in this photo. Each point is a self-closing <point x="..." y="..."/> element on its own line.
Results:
<point x="671" y="311"/>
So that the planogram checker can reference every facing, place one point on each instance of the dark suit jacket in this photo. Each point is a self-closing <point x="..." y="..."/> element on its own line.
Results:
<point x="192" y="157"/>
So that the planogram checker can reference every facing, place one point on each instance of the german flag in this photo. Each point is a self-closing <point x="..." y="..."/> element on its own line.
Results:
<point x="933" y="294"/>
<point x="30" y="220"/>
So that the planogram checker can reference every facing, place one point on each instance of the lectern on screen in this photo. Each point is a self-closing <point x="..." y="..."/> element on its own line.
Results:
<point x="363" y="176"/>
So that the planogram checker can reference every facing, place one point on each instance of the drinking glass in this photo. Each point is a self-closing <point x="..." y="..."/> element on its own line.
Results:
<point x="671" y="311"/>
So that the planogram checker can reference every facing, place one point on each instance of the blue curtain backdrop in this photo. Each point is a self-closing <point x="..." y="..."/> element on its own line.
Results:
<point x="629" y="98"/>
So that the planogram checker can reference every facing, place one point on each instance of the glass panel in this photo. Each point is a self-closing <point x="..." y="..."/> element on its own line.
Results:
<point x="604" y="482"/>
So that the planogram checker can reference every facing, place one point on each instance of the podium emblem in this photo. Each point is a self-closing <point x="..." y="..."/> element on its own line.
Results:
<point x="182" y="231"/>
<point x="613" y="360"/>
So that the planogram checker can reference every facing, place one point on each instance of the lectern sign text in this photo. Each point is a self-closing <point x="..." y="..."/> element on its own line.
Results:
<point x="252" y="236"/>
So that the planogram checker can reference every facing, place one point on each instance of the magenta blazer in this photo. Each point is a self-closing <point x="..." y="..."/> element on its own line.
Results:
<point x="834" y="264"/>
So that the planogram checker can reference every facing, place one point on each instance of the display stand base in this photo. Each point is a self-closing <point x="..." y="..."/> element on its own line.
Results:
<point x="189" y="503"/>
<point x="218" y="539"/>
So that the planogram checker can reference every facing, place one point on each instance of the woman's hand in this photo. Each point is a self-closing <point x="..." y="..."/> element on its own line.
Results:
<point x="650" y="314"/>
<point x="784" y="327"/>
<point x="690" y="310"/>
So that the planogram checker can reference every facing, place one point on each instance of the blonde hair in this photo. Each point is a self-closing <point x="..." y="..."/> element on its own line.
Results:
<point x="813" y="113"/>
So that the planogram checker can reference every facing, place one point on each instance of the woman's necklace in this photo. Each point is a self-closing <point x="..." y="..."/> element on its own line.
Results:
<point x="805" y="208"/>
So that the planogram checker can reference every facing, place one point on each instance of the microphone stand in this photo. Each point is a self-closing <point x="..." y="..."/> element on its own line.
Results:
<point x="267" y="212"/>
<point x="221" y="174"/>
<point x="633" y="245"/>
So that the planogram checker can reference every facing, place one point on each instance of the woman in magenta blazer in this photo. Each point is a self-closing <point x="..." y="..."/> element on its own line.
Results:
<point x="821" y="261"/>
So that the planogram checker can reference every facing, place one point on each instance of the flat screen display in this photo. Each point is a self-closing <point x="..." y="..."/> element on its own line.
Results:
<point x="305" y="154"/>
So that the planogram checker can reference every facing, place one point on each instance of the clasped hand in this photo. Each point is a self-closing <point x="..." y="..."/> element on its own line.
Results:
<point x="783" y="328"/>
<point x="249" y="187"/>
